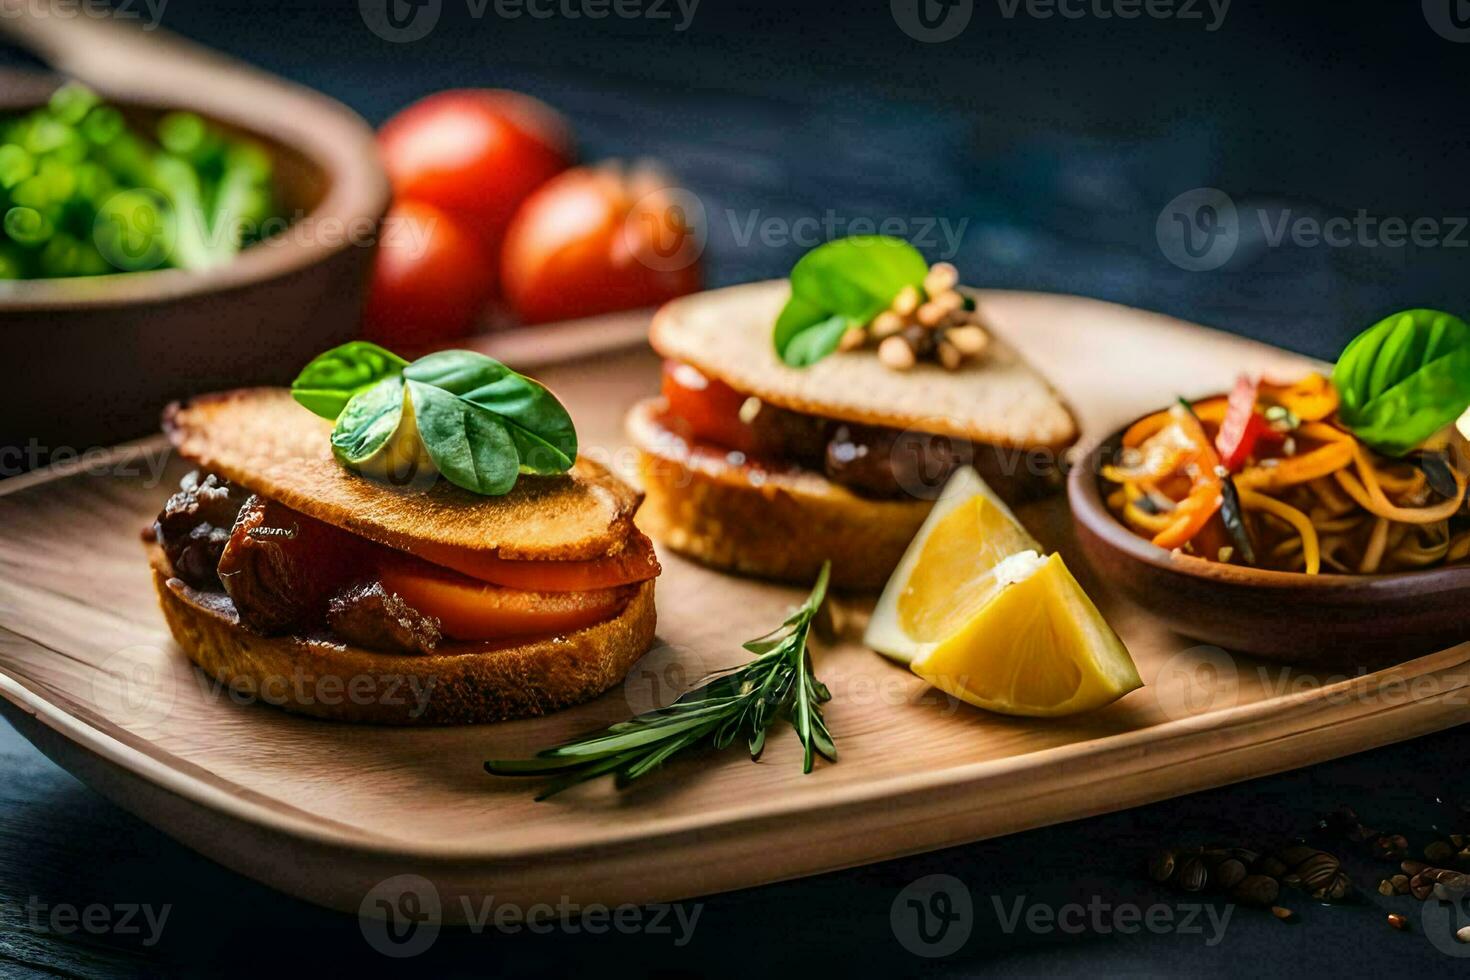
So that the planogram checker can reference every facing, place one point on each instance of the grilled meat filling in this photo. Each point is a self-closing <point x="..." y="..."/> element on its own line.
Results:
<point x="284" y="572"/>
<point x="368" y="614"/>
<point x="195" y="524"/>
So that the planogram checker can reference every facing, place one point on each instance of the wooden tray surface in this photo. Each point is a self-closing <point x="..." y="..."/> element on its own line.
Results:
<point x="326" y="811"/>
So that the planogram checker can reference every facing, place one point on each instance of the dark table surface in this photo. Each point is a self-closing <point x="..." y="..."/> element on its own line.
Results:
<point x="1049" y="148"/>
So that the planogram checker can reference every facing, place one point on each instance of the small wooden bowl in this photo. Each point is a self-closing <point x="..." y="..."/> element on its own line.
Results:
<point x="1308" y="620"/>
<point x="94" y="359"/>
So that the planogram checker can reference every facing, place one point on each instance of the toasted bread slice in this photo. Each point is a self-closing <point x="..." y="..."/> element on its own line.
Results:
<point x="461" y="683"/>
<point x="261" y="439"/>
<point x="780" y="525"/>
<point x="999" y="399"/>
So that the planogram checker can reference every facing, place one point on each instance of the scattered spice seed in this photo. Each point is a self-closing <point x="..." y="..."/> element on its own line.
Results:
<point x="1193" y="875"/>
<point x="854" y="338"/>
<point x="971" y="340"/>
<point x="1391" y="847"/>
<point x="886" y="324"/>
<point x="1439" y="852"/>
<point x="907" y="301"/>
<point x="941" y="278"/>
<point x="1284" y="914"/>
<point x="1398" y="922"/>
<point x="1229" y="873"/>
<point x="1258" y="890"/>
<point x="895" y="353"/>
<point x="1161" y="866"/>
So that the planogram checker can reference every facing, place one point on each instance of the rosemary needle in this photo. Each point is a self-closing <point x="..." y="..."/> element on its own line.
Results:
<point x="742" y="702"/>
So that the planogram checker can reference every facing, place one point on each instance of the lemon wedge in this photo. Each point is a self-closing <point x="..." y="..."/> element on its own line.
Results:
<point x="1038" y="648"/>
<point x="948" y="572"/>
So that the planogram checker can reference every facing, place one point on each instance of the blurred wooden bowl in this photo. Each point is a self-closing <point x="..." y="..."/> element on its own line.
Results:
<point x="93" y="360"/>
<point x="1339" y="621"/>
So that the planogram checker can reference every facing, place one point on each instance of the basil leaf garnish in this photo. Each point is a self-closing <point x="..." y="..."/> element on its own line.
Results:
<point x="852" y="278"/>
<point x="469" y="445"/>
<point x="368" y="421"/>
<point x="815" y="342"/>
<point x="545" y="440"/>
<point x="471" y="418"/>
<point x="1405" y="378"/>
<point x="327" y="384"/>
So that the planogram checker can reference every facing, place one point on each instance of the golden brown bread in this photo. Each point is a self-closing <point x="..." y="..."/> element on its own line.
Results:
<point x="702" y="506"/>
<point x="999" y="399"/>
<point x="463" y="683"/>
<point x="261" y="439"/>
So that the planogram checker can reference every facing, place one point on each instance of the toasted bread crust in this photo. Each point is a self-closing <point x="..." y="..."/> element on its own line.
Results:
<point x="708" y="509"/>
<point x="261" y="439"/>
<point x="464" y="683"/>
<point x="999" y="400"/>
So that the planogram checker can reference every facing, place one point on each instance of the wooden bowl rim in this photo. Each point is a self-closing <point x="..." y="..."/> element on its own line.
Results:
<point x="1090" y="512"/>
<point x="335" y="139"/>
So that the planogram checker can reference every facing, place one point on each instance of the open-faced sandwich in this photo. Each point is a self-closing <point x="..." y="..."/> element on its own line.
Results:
<point x="440" y="555"/>
<point x="819" y="419"/>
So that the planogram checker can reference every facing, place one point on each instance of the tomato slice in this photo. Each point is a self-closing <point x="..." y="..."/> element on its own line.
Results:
<point x="472" y="610"/>
<point x="635" y="563"/>
<point x="705" y="409"/>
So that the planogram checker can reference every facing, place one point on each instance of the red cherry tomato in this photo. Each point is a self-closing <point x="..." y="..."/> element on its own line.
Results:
<point x="430" y="280"/>
<point x="596" y="240"/>
<point x="476" y="153"/>
<point x="705" y="409"/>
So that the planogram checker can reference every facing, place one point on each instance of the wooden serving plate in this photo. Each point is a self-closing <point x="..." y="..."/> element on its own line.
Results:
<point x="327" y="812"/>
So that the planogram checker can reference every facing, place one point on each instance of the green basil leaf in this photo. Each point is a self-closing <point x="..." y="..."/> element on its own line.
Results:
<point x="858" y="276"/>
<point x="330" y="381"/>
<point x="1404" y="379"/>
<point x="541" y="431"/>
<point x="854" y="278"/>
<point x="817" y="341"/>
<point x="470" y="446"/>
<point x="368" y="421"/>
<point x="797" y="315"/>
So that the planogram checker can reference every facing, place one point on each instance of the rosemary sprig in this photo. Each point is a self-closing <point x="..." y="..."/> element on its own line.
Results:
<point x="740" y="702"/>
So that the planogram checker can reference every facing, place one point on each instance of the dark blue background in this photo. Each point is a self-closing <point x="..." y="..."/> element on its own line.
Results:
<point x="1060" y="141"/>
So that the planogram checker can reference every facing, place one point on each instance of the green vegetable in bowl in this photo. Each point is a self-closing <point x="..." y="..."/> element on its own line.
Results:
<point x="1404" y="379"/>
<point x="83" y="194"/>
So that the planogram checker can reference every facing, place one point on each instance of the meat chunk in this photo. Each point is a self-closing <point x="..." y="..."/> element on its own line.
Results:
<point x="887" y="463"/>
<point x="281" y="567"/>
<point x="195" y="524"/>
<point x="370" y="615"/>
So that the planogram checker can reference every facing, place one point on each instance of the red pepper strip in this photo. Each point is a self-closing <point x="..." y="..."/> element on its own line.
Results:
<point x="1237" y="437"/>
<point x="1243" y="427"/>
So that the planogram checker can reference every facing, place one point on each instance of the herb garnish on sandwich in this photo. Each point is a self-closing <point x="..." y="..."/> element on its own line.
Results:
<point x="793" y="429"/>
<point x="439" y="532"/>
